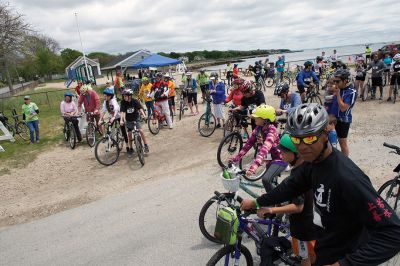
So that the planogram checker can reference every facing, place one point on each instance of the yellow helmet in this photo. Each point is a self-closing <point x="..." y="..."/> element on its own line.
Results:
<point x="84" y="89"/>
<point x="265" y="112"/>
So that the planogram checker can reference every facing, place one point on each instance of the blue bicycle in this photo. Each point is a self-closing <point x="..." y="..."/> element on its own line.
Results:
<point x="253" y="227"/>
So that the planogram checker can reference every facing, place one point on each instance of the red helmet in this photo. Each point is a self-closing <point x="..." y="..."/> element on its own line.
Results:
<point x="238" y="81"/>
<point x="246" y="86"/>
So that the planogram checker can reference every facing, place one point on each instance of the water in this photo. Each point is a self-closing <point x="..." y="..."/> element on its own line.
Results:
<point x="308" y="54"/>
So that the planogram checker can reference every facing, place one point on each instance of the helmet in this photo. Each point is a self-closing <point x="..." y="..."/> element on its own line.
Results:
<point x="145" y="79"/>
<point x="238" y="81"/>
<point x="319" y="58"/>
<point x="188" y="74"/>
<point x="342" y="73"/>
<point x="159" y="75"/>
<point x="166" y="75"/>
<point x="396" y="57"/>
<point x="307" y="119"/>
<point x="256" y="63"/>
<point x="84" y="88"/>
<point x="265" y="112"/>
<point x="308" y="63"/>
<point x="68" y="93"/>
<point x="246" y="86"/>
<point x="108" y="92"/>
<point x="282" y="88"/>
<point x="286" y="143"/>
<point x="214" y="74"/>
<point x="127" y="92"/>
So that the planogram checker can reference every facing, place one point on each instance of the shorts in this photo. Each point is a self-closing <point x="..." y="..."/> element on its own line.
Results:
<point x="192" y="97"/>
<point x="342" y="129"/>
<point x="204" y="88"/>
<point x="368" y="56"/>
<point x="394" y="79"/>
<point x="303" y="249"/>
<point x="219" y="111"/>
<point x="386" y="70"/>
<point x="171" y="101"/>
<point x="129" y="125"/>
<point x="376" y="81"/>
<point x="301" y="88"/>
<point x="361" y="78"/>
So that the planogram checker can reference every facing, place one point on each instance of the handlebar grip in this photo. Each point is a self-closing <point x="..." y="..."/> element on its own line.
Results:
<point x="391" y="146"/>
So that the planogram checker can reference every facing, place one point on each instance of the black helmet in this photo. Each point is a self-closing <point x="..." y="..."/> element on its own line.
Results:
<point x="159" y="75"/>
<point x="319" y="58"/>
<point x="307" y="119"/>
<point x="308" y="63"/>
<point x="282" y="88"/>
<point x="342" y="74"/>
<point x="214" y="74"/>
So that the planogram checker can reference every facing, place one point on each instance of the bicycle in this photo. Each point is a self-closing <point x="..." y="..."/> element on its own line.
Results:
<point x="312" y="95"/>
<point x="69" y="131"/>
<point x="155" y="121"/>
<point x="19" y="127"/>
<point x="91" y="129"/>
<point x="367" y="89"/>
<point x="395" y="87"/>
<point x="278" y="79"/>
<point x="252" y="227"/>
<point x="208" y="118"/>
<point x="107" y="148"/>
<point x="390" y="190"/>
<point x="137" y="139"/>
<point x="183" y="103"/>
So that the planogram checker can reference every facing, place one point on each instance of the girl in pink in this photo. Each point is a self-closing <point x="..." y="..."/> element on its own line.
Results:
<point x="69" y="111"/>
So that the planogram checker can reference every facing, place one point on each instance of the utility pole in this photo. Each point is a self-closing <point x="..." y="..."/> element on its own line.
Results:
<point x="83" y="52"/>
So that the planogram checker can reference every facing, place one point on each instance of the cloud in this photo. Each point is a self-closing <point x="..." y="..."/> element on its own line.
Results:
<point x="119" y="26"/>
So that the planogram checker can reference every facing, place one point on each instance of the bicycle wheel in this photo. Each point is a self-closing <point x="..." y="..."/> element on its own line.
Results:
<point x="366" y="88"/>
<point x="91" y="134"/>
<point x="228" y="147"/>
<point x="390" y="192"/>
<point x="226" y="256"/>
<point x="207" y="124"/>
<point x="22" y="130"/>
<point x="181" y="110"/>
<point x="314" y="99"/>
<point x="120" y="139"/>
<point x="65" y="132"/>
<point x="228" y="127"/>
<point x="153" y="124"/>
<point x="106" y="151"/>
<point x="208" y="214"/>
<point x="71" y="136"/>
<point x="139" y="148"/>
<point x="269" y="82"/>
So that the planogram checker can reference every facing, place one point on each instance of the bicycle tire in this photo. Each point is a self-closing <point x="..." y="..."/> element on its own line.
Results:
<point x="22" y="130"/>
<point x="181" y="110"/>
<point x="71" y="136"/>
<point x="208" y="232"/>
<point x="392" y="185"/>
<point x="120" y="139"/>
<point x="269" y="82"/>
<point x="234" y="138"/>
<point x="395" y="93"/>
<point x="228" y="251"/>
<point x="97" y="151"/>
<point x="65" y="132"/>
<point x="228" y="127"/>
<point x="207" y="130"/>
<point x="365" y="92"/>
<point x="314" y="99"/>
<point x="91" y="135"/>
<point x="154" y="125"/>
<point x="139" y="148"/>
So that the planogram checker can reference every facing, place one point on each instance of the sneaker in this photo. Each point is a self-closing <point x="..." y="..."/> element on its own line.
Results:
<point x="389" y="99"/>
<point x="146" y="148"/>
<point x="37" y="141"/>
<point x="218" y="126"/>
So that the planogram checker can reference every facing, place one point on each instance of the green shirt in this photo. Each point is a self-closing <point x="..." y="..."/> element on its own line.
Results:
<point x="203" y="79"/>
<point x="29" y="110"/>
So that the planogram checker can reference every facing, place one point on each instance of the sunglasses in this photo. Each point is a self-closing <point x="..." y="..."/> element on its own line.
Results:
<point x="309" y="140"/>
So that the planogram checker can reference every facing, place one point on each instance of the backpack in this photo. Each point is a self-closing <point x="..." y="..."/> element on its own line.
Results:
<point x="227" y="226"/>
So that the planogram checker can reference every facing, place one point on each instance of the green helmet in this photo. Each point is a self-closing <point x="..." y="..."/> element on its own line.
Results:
<point x="287" y="144"/>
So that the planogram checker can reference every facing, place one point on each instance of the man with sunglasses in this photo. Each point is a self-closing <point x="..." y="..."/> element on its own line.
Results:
<point x="343" y="101"/>
<point x="357" y="226"/>
<point x="289" y="100"/>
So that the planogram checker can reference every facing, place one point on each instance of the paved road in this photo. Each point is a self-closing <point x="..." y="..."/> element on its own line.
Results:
<point x="156" y="223"/>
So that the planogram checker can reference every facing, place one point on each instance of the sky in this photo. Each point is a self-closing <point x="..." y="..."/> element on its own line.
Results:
<point x="119" y="26"/>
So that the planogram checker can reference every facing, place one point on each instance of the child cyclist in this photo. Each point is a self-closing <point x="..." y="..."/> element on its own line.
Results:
<point x="131" y="110"/>
<point x="266" y="136"/>
<point x="302" y="228"/>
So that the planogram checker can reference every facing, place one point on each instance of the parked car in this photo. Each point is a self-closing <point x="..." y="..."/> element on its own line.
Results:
<point x="390" y="49"/>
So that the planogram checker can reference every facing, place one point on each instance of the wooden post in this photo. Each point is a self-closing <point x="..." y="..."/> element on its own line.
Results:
<point x="48" y="101"/>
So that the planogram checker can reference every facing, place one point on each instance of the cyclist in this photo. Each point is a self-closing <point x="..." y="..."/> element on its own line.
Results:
<point x="131" y="110"/>
<point x="361" y="73"/>
<point x="318" y="67"/>
<point x="280" y="68"/>
<point x="119" y="82"/>
<point x="235" y="71"/>
<point x="388" y="62"/>
<point x="289" y="100"/>
<point x="217" y="92"/>
<point x="68" y="108"/>
<point x="144" y="93"/>
<point x="171" y="92"/>
<point x="266" y="136"/>
<point x="160" y="93"/>
<point x="340" y="64"/>
<point x="229" y="73"/>
<point x="304" y="79"/>
<point x="236" y="93"/>
<point x="357" y="227"/>
<point x="257" y="71"/>
<point x="191" y="86"/>
<point x="202" y="81"/>
<point x="377" y="68"/>
<point x="302" y="229"/>
<point x="343" y="102"/>
<point x="333" y="59"/>
<point x="395" y="79"/>
<point x="368" y="52"/>
<point x="78" y="88"/>
<point x="91" y="101"/>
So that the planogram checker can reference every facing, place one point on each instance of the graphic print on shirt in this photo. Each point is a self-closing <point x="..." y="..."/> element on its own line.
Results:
<point x="286" y="106"/>
<point x="130" y="110"/>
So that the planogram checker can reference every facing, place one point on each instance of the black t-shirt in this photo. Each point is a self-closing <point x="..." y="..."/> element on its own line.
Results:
<point x="356" y="226"/>
<point x="131" y="110"/>
<point x="257" y="99"/>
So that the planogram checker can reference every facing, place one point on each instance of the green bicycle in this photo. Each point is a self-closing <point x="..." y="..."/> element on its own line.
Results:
<point x="207" y="122"/>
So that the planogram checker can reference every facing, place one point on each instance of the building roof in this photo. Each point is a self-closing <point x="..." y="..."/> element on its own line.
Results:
<point x="79" y="61"/>
<point x="127" y="60"/>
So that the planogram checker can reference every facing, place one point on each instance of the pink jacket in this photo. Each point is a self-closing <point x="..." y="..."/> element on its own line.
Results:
<point x="91" y="101"/>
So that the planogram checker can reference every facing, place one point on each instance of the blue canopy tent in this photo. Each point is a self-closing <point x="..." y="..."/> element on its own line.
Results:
<point x="156" y="60"/>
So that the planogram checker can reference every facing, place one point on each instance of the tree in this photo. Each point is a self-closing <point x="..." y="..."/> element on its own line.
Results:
<point x="104" y="58"/>
<point x="68" y="56"/>
<point x="13" y="30"/>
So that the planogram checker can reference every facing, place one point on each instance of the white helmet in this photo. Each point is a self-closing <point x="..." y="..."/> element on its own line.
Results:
<point x="396" y="57"/>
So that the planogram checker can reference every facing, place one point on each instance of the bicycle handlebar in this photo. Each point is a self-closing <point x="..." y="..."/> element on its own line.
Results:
<point x="394" y="147"/>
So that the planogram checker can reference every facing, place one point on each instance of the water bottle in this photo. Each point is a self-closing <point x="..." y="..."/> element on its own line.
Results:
<point x="226" y="174"/>
<point x="233" y="170"/>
